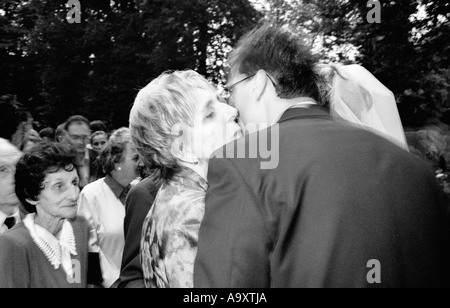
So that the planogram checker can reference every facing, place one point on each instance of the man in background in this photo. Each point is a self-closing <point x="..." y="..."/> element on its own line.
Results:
<point x="9" y="203"/>
<point x="77" y="134"/>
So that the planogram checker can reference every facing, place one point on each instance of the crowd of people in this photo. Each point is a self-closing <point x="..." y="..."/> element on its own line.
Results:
<point x="169" y="202"/>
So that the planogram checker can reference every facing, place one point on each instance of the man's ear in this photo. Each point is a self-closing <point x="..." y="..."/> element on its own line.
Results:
<point x="259" y="84"/>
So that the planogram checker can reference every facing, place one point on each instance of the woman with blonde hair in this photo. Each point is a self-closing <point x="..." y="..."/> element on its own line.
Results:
<point x="177" y="122"/>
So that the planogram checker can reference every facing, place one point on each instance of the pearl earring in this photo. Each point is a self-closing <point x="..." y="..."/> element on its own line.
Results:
<point x="119" y="168"/>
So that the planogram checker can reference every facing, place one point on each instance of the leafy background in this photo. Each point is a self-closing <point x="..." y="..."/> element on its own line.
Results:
<point x="95" y="68"/>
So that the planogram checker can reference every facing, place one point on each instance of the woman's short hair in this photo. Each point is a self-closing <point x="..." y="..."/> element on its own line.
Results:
<point x="165" y="103"/>
<point x="115" y="149"/>
<point x="282" y="54"/>
<point x="34" y="166"/>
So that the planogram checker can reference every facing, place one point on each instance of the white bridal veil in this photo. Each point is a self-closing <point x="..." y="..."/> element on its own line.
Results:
<point x="358" y="97"/>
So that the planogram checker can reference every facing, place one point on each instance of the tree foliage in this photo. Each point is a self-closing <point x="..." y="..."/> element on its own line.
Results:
<point x="96" y="67"/>
<point x="407" y="51"/>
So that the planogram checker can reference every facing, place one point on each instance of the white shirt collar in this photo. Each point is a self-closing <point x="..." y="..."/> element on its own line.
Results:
<point x="302" y="104"/>
<point x="57" y="251"/>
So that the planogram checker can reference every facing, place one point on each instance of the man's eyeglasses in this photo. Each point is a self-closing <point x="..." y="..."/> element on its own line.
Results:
<point x="80" y="138"/>
<point x="230" y="87"/>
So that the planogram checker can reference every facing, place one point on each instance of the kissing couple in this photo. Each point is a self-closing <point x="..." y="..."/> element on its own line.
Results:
<point x="345" y="191"/>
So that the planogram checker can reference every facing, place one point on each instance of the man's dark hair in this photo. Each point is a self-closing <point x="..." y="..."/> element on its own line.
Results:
<point x="12" y="113"/>
<point x="75" y="119"/>
<point x="282" y="54"/>
<point x="34" y="166"/>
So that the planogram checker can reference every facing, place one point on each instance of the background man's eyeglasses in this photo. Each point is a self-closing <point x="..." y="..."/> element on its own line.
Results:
<point x="79" y="138"/>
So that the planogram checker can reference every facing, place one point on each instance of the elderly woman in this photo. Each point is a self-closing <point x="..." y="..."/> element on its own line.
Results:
<point x="102" y="202"/>
<point x="177" y="121"/>
<point x="49" y="248"/>
<point x="9" y="203"/>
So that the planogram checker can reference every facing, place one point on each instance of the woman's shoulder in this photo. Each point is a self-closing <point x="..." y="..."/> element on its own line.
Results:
<point x="178" y="204"/>
<point x="179" y="193"/>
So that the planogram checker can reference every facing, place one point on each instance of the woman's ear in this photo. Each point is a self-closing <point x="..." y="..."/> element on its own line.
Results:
<point x="117" y="167"/>
<point x="181" y="146"/>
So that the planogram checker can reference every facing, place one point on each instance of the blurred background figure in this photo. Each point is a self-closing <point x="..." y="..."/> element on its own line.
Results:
<point x="15" y="121"/>
<point x="102" y="202"/>
<point x="430" y="144"/>
<point x="98" y="143"/>
<point x="60" y="133"/>
<point x="47" y="134"/>
<point x="30" y="140"/>
<point x="99" y="140"/>
<point x="77" y="135"/>
<point x="40" y="252"/>
<point x="9" y="203"/>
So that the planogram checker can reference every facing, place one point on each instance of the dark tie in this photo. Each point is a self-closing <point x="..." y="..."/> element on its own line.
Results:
<point x="10" y="222"/>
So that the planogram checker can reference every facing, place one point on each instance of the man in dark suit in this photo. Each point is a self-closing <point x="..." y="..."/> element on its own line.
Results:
<point x="139" y="201"/>
<point x="336" y="206"/>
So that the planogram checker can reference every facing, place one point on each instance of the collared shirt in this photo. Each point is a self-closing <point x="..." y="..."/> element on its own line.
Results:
<point x="118" y="190"/>
<point x="99" y="203"/>
<point x="170" y="232"/>
<point x="3" y="217"/>
<point x="303" y="103"/>
<point x="58" y="251"/>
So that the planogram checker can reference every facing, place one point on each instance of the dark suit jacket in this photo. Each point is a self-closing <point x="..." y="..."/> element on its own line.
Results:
<point x="340" y="197"/>
<point x="139" y="201"/>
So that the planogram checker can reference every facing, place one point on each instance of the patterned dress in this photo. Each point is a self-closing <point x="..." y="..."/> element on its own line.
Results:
<point x="170" y="232"/>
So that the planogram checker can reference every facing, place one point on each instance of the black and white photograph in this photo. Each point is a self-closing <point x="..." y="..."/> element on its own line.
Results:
<point x="224" y="148"/>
